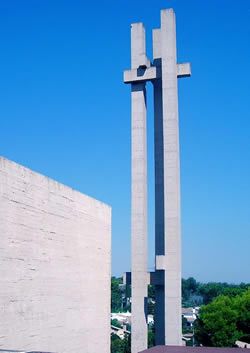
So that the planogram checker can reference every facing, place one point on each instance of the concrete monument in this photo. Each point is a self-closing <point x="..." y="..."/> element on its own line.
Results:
<point x="163" y="72"/>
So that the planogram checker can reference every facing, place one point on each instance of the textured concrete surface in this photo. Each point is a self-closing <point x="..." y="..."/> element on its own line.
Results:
<point x="12" y="351"/>
<point x="173" y="334"/>
<point x="139" y="196"/>
<point x="54" y="265"/>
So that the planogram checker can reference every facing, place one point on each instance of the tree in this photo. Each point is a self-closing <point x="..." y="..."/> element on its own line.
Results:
<point x="116" y="295"/>
<point x="151" y="338"/>
<point x="190" y="296"/>
<point x="116" y="323"/>
<point x="120" y="346"/>
<point x="127" y="343"/>
<point x="242" y="304"/>
<point x="151" y="292"/>
<point x="211" y="290"/>
<point x="191" y="284"/>
<point x="223" y="321"/>
<point x="117" y="345"/>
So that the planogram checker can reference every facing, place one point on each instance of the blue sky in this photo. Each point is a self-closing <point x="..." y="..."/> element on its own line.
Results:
<point x="65" y="113"/>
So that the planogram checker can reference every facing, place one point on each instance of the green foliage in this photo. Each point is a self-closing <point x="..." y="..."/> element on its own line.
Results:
<point x="151" y="338"/>
<point x="116" y="323"/>
<point x="151" y="292"/>
<point x="195" y="293"/>
<point x="190" y="295"/>
<point x="127" y="344"/>
<point x="211" y="290"/>
<point x="242" y="304"/>
<point x="117" y="345"/>
<point x="119" y="295"/>
<point x="116" y="295"/>
<point x="224" y="320"/>
<point x="151" y="308"/>
<point x="189" y="285"/>
<point x="232" y="291"/>
<point x="120" y="346"/>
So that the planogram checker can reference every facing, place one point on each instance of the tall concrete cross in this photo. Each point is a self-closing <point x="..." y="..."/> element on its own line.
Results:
<point x="163" y="73"/>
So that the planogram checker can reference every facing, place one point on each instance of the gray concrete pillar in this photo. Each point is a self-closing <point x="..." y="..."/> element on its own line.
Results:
<point x="139" y="219"/>
<point x="172" y="260"/>
<point x="139" y="197"/>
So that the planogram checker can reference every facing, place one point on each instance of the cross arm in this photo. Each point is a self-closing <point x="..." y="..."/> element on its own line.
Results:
<point x="151" y="73"/>
<point x="183" y="70"/>
<point x="140" y="74"/>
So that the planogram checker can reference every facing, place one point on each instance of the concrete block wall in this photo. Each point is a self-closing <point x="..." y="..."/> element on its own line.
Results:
<point x="55" y="265"/>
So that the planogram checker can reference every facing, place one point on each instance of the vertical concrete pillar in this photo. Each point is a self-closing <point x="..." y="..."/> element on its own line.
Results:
<point x="159" y="317"/>
<point x="139" y="196"/>
<point x="172" y="261"/>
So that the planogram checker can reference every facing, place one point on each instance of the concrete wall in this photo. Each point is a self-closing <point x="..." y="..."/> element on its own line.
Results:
<point x="54" y="265"/>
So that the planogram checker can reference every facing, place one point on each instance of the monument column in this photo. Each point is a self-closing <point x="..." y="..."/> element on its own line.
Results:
<point x="163" y="73"/>
<point x="172" y="261"/>
<point x="139" y="196"/>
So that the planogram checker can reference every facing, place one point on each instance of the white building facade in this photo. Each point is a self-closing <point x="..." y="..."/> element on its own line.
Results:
<point x="55" y="265"/>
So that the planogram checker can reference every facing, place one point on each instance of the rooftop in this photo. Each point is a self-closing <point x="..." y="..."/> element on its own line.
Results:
<point x="185" y="349"/>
